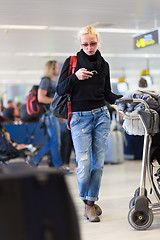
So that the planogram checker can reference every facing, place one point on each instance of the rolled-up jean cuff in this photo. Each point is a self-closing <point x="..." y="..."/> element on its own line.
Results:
<point x="89" y="198"/>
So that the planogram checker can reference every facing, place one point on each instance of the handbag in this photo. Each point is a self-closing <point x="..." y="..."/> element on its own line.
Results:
<point x="61" y="105"/>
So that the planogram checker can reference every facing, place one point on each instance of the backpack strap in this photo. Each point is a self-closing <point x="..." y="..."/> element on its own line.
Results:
<point x="72" y="66"/>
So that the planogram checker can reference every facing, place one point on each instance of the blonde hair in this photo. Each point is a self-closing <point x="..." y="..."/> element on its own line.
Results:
<point x="49" y="67"/>
<point x="89" y="30"/>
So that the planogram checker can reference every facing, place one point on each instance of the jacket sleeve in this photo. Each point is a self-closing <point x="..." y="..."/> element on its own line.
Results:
<point x="109" y="95"/>
<point x="65" y="82"/>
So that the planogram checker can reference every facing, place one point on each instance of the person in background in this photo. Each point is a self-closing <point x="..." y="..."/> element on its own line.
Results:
<point x="45" y="95"/>
<point x="9" y="149"/>
<point x="68" y="148"/>
<point x="143" y="83"/>
<point x="11" y="112"/>
<point x="143" y="86"/>
<point x="1" y="106"/>
<point x="19" y="104"/>
<point x="2" y="118"/>
<point x="90" y="88"/>
<point x="66" y="143"/>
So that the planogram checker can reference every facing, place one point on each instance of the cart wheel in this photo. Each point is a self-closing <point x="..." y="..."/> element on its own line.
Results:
<point x="132" y="202"/>
<point x="140" y="220"/>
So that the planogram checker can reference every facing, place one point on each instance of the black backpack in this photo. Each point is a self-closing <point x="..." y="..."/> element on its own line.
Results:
<point x="34" y="108"/>
<point x="25" y="117"/>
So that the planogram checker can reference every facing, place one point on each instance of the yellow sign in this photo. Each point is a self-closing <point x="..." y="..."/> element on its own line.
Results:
<point x="142" y="43"/>
<point x="147" y="39"/>
<point x="121" y="79"/>
<point x="145" y="72"/>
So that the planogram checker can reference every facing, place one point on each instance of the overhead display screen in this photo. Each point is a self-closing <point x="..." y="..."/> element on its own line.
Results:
<point x="147" y="39"/>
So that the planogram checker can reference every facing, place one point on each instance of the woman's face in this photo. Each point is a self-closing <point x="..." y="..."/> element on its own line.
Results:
<point x="56" y="71"/>
<point x="89" y="43"/>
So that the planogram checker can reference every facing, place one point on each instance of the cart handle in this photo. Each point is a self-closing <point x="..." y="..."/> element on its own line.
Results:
<point x="132" y="100"/>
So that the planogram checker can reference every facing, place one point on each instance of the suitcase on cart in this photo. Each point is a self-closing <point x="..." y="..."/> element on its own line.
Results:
<point x="134" y="147"/>
<point x="115" y="144"/>
<point x="35" y="205"/>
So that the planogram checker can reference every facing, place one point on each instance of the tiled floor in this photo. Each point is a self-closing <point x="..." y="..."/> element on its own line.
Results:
<point x="118" y="186"/>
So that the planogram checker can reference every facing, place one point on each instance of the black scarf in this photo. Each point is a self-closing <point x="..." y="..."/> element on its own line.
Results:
<point x="93" y="62"/>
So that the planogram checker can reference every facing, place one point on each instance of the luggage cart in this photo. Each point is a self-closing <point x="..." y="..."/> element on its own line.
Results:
<point x="141" y="210"/>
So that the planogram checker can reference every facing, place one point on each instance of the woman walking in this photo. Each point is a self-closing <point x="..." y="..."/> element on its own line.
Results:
<point x="45" y="96"/>
<point x="90" y="123"/>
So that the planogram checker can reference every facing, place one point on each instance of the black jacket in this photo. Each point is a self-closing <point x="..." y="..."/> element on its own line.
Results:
<point x="91" y="93"/>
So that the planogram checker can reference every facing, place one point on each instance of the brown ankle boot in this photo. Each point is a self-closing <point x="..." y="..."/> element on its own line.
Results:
<point x="90" y="214"/>
<point x="98" y="210"/>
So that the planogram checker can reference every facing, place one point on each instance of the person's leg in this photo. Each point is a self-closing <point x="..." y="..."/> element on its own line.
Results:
<point x="90" y="133"/>
<point x="38" y="157"/>
<point x="100" y="135"/>
<point x="49" y="158"/>
<point x="99" y="138"/>
<point x="68" y="147"/>
<point x="81" y="130"/>
<point x="63" y="145"/>
<point x="53" y="130"/>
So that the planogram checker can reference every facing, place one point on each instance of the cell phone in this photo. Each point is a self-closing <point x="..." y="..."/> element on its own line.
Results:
<point x="94" y="72"/>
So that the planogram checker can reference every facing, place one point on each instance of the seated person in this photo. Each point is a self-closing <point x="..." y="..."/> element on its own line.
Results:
<point x="11" y="112"/>
<point x="2" y="118"/>
<point x="10" y="149"/>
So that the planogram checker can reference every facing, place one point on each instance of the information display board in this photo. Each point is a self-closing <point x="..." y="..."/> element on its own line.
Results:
<point x="147" y="39"/>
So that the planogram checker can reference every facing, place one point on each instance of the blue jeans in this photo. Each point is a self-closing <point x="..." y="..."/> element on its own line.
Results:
<point x="89" y="131"/>
<point x="53" y="130"/>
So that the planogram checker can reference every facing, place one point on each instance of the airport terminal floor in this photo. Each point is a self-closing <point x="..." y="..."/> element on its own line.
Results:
<point x="119" y="183"/>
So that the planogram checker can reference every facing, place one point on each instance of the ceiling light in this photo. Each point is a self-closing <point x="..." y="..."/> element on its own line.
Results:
<point x="23" y="27"/>
<point x="66" y="28"/>
<point x="121" y="30"/>
<point x="19" y="72"/>
<point x="43" y="54"/>
<point x="132" y="55"/>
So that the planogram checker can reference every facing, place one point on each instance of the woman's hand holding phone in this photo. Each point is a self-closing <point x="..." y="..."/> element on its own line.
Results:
<point x="83" y="74"/>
